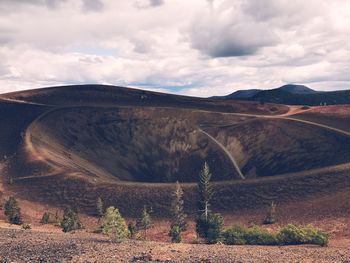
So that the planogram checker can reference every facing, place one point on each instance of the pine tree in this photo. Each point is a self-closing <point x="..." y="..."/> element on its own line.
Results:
<point x="215" y="226"/>
<point x="45" y="218"/>
<point x="175" y="233"/>
<point x="57" y="218"/>
<point x="271" y="214"/>
<point x="99" y="207"/>
<point x="12" y="211"/>
<point x="177" y="209"/>
<point x="113" y="224"/>
<point x="208" y="225"/>
<point x="132" y="229"/>
<point x="205" y="192"/>
<point x="145" y="221"/>
<point x="70" y="221"/>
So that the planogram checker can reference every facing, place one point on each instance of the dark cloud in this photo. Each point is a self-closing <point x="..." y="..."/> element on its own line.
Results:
<point x="283" y="13"/>
<point x="242" y="27"/>
<point x="92" y="5"/>
<point x="218" y="38"/>
<point x="9" y="5"/>
<point x="156" y="2"/>
<point x="141" y="4"/>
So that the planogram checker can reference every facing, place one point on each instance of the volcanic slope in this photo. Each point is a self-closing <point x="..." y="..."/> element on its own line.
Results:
<point x="69" y="145"/>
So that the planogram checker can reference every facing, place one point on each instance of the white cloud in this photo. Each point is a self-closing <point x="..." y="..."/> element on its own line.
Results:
<point x="197" y="47"/>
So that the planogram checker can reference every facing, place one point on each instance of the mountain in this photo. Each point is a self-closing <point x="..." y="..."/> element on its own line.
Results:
<point x="297" y="89"/>
<point x="292" y="94"/>
<point x="241" y="94"/>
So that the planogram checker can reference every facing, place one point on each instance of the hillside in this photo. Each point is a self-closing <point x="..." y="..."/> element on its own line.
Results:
<point x="292" y="95"/>
<point x="103" y="95"/>
<point x="69" y="145"/>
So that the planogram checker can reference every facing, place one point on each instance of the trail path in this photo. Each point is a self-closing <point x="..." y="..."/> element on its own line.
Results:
<point x="24" y="102"/>
<point x="233" y="161"/>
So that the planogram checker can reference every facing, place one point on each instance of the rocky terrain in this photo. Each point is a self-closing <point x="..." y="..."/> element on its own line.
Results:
<point x="31" y="246"/>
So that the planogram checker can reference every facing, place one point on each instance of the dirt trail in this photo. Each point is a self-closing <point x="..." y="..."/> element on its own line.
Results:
<point x="295" y="110"/>
<point x="227" y="153"/>
<point x="319" y="125"/>
<point x="56" y="161"/>
<point x="24" y="102"/>
<point x="285" y="117"/>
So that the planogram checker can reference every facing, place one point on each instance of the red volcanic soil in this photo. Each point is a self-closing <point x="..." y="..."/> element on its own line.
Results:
<point x="67" y="146"/>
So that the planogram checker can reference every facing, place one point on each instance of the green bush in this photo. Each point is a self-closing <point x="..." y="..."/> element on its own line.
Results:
<point x="215" y="227"/>
<point x="271" y="214"/>
<point x="132" y="229"/>
<point x="70" y="221"/>
<point x="235" y="235"/>
<point x="295" y="234"/>
<point x="201" y="226"/>
<point x="12" y="211"/>
<point x="99" y="207"/>
<point x="113" y="224"/>
<point x="145" y="221"/>
<point x="239" y="235"/>
<point x="289" y="235"/>
<point x="45" y="218"/>
<point x="260" y="236"/>
<point x="175" y="233"/>
<point x="211" y="228"/>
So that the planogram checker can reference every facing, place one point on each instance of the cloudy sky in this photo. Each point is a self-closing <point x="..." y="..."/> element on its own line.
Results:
<point x="197" y="47"/>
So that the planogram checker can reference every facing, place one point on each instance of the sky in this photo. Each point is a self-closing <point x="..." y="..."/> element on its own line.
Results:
<point x="191" y="47"/>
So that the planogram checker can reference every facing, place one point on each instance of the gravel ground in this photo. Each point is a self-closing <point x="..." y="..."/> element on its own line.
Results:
<point x="32" y="246"/>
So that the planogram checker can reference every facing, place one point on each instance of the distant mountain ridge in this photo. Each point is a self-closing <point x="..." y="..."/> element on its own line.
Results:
<point x="297" y="89"/>
<point x="292" y="94"/>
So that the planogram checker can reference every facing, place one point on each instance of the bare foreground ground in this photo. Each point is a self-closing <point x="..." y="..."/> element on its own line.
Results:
<point x="35" y="246"/>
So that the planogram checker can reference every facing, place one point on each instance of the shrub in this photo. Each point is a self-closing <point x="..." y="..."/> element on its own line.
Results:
<point x="12" y="211"/>
<point x="201" y="226"/>
<point x="132" y="229"/>
<point x="235" y="235"/>
<point x="273" y="109"/>
<point x="215" y="226"/>
<point x="45" y="218"/>
<point x="56" y="219"/>
<point x="205" y="192"/>
<point x="113" y="224"/>
<point x="210" y="229"/>
<point x="289" y="235"/>
<point x="50" y="218"/>
<point x="295" y="234"/>
<point x="271" y="214"/>
<point x="175" y="233"/>
<point x="145" y="221"/>
<point x="260" y="236"/>
<point x="70" y="221"/>
<point x="26" y="226"/>
<point x="239" y="235"/>
<point x="178" y="215"/>
<point x="99" y="207"/>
